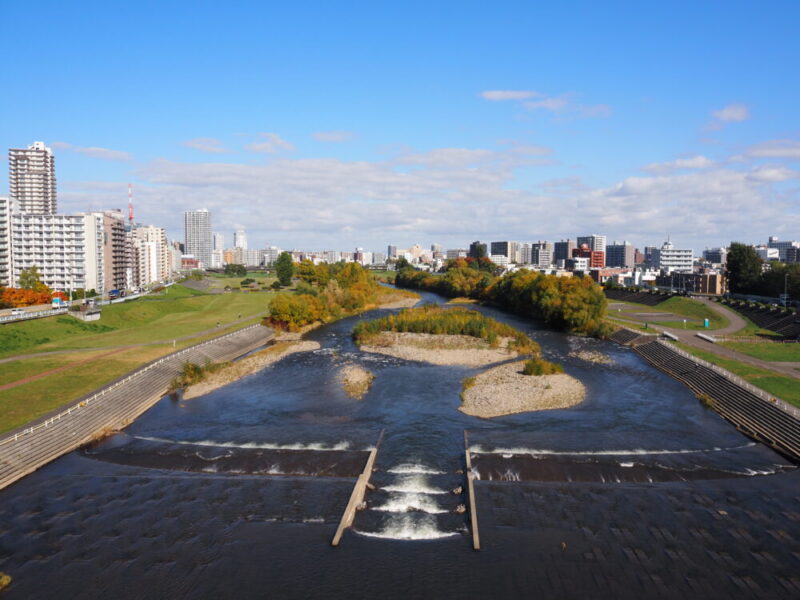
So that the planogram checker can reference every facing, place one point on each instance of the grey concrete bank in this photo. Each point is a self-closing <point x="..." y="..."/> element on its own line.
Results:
<point x="113" y="406"/>
<point x="752" y="410"/>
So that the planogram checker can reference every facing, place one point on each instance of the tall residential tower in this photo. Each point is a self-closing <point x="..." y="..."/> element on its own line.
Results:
<point x="32" y="179"/>
<point x="197" y="235"/>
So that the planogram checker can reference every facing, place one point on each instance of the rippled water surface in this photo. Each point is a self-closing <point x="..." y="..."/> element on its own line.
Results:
<point x="638" y="492"/>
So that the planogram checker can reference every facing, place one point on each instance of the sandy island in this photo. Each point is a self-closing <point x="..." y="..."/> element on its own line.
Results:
<point x="355" y="380"/>
<point x="504" y="390"/>
<point x="247" y="366"/>
<point x="592" y="356"/>
<point x="435" y="349"/>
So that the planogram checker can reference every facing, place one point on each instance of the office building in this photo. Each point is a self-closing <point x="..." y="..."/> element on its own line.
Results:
<point x="595" y="259"/>
<point x="596" y="243"/>
<point x="717" y="256"/>
<point x="477" y="250"/>
<point x="218" y="242"/>
<point x="620" y="255"/>
<point x="781" y="247"/>
<point x="562" y="251"/>
<point x="391" y="252"/>
<point x="32" y="179"/>
<point x="668" y="258"/>
<point x="792" y="255"/>
<point x="508" y="249"/>
<point x="197" y="236"/>
<point x="541" y="254"/>
<point x="456" y="253"/>
<point x="240" y="239"/>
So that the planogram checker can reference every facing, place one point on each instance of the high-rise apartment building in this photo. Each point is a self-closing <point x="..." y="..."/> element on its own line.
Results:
<point x="115" y="255"/>
<point x="218" y="241"/>
<point x="240" y="239"/>
<point x="620" y="255"/>
<point x="197" y="235"/>
<point x="32" y="179"/>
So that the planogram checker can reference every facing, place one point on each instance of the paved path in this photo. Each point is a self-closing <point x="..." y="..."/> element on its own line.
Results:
<point x="736" y="323"/>
<point x="127" y="346"/>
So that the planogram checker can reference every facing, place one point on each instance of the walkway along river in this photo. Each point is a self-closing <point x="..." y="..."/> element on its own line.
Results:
<point x="639" y="492"/>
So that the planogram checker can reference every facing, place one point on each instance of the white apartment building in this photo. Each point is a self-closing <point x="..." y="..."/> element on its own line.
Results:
<point x="217" y="259"/>
<point x="271" y="255"/>
<point x="499" y="259"/>
<point x="240" y="239"/>
<point x="541" y="254"/>
<point x="5" y="240"/>
<point x="67" y="249"/>
<point x="669" y="259"/>
<point x="32" y="178"/>
<point x="197" y="235"/>
<point x="161" y="269"/>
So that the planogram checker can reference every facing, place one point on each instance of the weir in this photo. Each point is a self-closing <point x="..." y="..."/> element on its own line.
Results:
<point x="473" y="509"/>
<point x="357" y="495"/>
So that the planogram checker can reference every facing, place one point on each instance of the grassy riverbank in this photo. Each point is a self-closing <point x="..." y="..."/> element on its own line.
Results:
<point x="785" y="388"/>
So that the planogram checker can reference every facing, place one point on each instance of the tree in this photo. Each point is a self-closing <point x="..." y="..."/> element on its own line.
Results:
<point x="744" y="268"/>
<point x="234" y="270"/>
<point x="284" y="268"/>
<point x="31" y="279"/>
<point x="402" y="263"/>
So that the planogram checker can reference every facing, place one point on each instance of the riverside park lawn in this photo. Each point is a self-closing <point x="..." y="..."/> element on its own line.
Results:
<point x="46" y="382"/>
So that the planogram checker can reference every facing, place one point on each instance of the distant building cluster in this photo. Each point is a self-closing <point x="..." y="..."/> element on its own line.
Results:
<point x="99" y="250"/>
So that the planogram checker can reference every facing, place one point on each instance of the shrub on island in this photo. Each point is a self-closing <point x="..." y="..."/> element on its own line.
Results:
<point x="539" y="366"/>
<point x="436" y="320"/>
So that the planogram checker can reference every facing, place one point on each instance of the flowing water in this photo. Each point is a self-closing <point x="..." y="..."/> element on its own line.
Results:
<point x="638" y="492"/>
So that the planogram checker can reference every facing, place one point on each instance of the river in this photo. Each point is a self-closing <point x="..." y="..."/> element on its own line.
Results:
<point x="639" y="492"/>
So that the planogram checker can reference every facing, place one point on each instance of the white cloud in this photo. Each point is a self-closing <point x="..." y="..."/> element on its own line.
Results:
<point x="776" y="149"/>
<point x="501" y="95"/>
<point x="333" y="136"/>
<point x="94" y="152"/>
<point x="210" y="145"/>
<point x="732" y="113"/>
<point x="772" y="174"/>
<point x="693" y="162"/>
<point x="270" y="143"/>
<point x="562" y="105"/>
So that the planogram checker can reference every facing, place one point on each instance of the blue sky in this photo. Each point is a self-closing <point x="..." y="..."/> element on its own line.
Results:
<point x="340" y="124"/>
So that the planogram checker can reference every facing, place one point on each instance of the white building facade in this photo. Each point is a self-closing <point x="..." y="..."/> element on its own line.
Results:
<point x="32" y="178"/>
<point x="197" y="235"/>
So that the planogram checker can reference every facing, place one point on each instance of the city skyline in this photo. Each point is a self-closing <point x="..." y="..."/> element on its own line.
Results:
<point x="398" y="129"/>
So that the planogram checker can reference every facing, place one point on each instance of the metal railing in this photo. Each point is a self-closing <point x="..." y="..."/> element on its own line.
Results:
<point x="103" y="391"/>
<point x="37" y="314"/>
<point x="784" y="406"/>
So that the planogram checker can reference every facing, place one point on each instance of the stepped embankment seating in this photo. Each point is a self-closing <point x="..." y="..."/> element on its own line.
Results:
<point x="773" y="318"/>
<point x="646" y="298"/>
<point x="114" y="406"/>
<point x="750" y="413"/>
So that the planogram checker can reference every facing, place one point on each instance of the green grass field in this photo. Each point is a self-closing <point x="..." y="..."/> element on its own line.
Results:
<point x="695" y="312"/>
<point x="785" y="388"/>
<point x="751" y="329"/>
<point x="176" y="313"/>
<point x="769" y="351"/>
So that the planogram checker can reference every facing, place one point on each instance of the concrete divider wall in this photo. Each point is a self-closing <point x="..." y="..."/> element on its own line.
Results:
<point x="113" y="406"/>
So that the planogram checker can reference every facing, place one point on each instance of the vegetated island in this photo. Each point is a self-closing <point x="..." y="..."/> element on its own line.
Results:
<point x="460" y="336"/>
<point x="443" y="336"/>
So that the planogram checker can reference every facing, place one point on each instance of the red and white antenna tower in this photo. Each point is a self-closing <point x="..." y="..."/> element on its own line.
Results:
<point x="130" y="204"/>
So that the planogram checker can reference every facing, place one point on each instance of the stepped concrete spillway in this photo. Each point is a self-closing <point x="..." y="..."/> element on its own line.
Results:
<point x="114" y="406"/>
